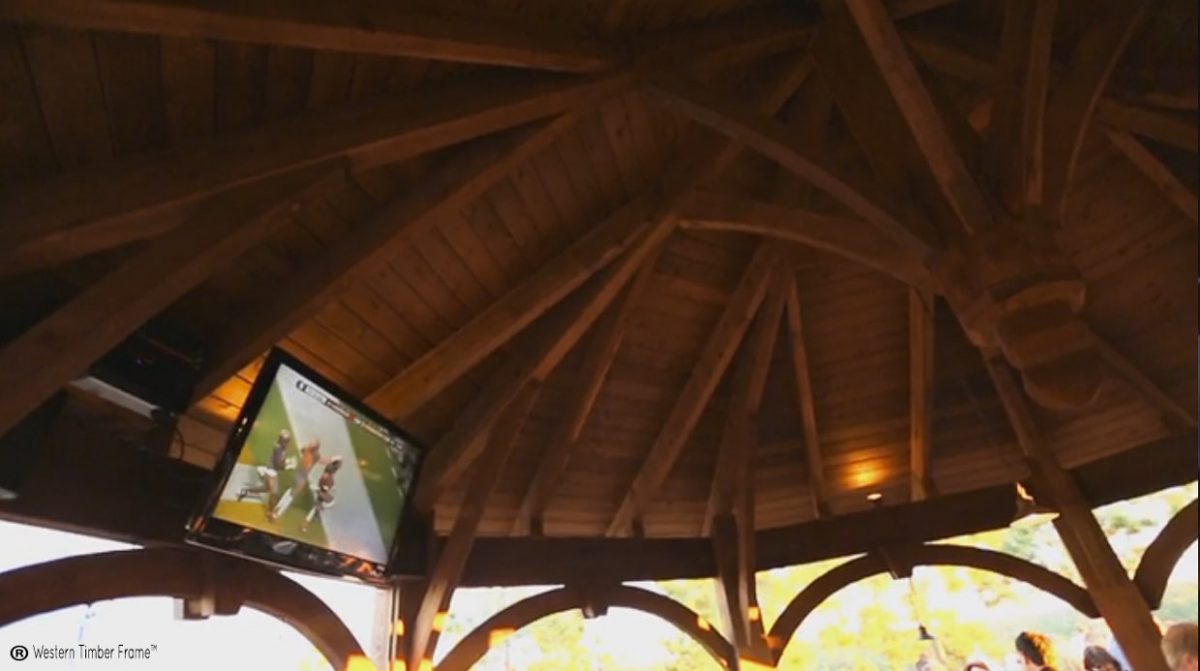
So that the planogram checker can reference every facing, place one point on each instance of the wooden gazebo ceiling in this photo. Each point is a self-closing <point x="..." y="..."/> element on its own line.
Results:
<point x="734" y="245"/>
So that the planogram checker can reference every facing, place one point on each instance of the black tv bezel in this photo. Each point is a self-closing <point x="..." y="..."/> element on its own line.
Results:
<point x="406" y="556"/>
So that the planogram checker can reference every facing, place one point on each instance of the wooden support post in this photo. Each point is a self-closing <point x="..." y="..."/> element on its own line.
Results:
<point x="1116" y="596"/>
<point x="733" y="547"/>
<point x="920" y="390"/>
<point x="808" y="412"/>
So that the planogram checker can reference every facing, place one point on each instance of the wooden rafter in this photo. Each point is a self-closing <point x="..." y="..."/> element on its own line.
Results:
<point x="1174" y="129"/>
<point x="1173" y="411"/>
<point x="696" y="392"/>
<point x="842" y="236"/>
<point x="1149" y="165"/>
<point x="66" y="343"/>
<point x="733" y="474"/>
<point x="1074" y="98"/>
<point x="1013" y="149"/>
<point x="603" y="350"/>
<point x="459" y="180"/>
<point x="920" y="385"/>
<point x="447" y="570"/>
<point x="773" y="140"/>
<point x="381" y="132"/>
<point x="351" y="27"/>
<point x="855" y="24"/>
<point x="807" y="403"/>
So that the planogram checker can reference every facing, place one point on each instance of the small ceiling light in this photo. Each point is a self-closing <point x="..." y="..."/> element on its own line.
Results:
<point x="875" y="497"/>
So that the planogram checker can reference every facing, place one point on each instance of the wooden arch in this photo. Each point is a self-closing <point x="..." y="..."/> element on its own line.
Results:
<point x="225" y="584"/>
<point x="1160" y="559"/>
<point x="924" y="555"/>
<point x="525" y="612"/>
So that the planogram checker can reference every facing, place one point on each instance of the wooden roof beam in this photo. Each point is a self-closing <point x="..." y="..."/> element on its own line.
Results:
<point x="920" y="389"/>
<point x="456" y="181"/>
<point x="855" y="24"/>
<point x="1013" y="142"/>
<point x="1160" y="175"/>
<point x="808" y="414"/>
<point x="383" y="131"/>
<point x="1174" y="129"/>
<point x="841" y="236"/>
<point x="446" y="572"/>
<point x="375" y="28"/>
<point x="66" y="343"/>
<point x="1173" y="412"/>
<point x="551" y="468"/>
<point x="696" y="392"/>
<point x="733" y="475"/>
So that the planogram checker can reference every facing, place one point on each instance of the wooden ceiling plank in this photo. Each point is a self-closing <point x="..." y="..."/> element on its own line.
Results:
<point x="841" y="236"/>
<point x="1077" y="92"/>
<point x="921" y="380"/>
<point x="367" y="29"/>
<point x="552" y="466"/>
<point x="768" y="137"/>
<point x="367" y="134"/>
<point x="458" y="181"/>
<point x="1160" y="175"/>
<point x="733" y="473"/>
<point x="1013" y="141"/>
<point x="452" y="558"/>
<point x="1173" y="411"/>
<point x="867" y="22"/>
<point x="66" y="343"/>
<point x="806" y="400"/>
<point x="692" y="399"/>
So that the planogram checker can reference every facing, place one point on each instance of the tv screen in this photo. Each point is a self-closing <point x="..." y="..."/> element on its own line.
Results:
<point x="313" y="479"/>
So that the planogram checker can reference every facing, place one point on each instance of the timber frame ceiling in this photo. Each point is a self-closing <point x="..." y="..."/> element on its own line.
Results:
<point x="626" y="266"/>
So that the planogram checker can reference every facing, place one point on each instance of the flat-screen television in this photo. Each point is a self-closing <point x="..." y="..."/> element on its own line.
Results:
<point x="312" y="479"/>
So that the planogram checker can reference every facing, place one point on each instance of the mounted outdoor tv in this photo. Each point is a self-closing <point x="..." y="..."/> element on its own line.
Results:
<point x="312" y="479"/>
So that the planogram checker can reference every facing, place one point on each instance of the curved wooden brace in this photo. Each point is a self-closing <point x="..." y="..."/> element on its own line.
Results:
<point x="1160" y="559"/>
<point x="476" y="644"/>
<point x="229" y="583"/>
<point x="924" y="555"/>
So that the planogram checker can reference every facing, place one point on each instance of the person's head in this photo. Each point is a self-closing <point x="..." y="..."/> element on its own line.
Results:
<point x="1035" y="651"/>
<point x="334" y="465"/>
<point x="976" y="666"/>
<point x="1096" y="658"/>
<point x="284" y="435"/>
<point x="1179" y="646"/>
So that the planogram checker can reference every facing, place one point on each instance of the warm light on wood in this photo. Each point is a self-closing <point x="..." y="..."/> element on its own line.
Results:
<point x="360" y="663"/>
<point x="754" y="613"/>
<point x="751" y="665"/>
<point x="497" y="637"/>
<point x="773" y="642"/>
<point x="399" y="665"/>
<point x="703" y="624"/>
<point x="398" y="628"/>
<point x="439" y="621"/>
<point x="426" y="665"/>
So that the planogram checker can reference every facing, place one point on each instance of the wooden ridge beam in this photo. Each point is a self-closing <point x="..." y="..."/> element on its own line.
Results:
<point x="1074" y="98"/>
<point x="697" y="391"/>
<point x="1013" y="142"/>
<point x="456" y="181"/>
<point x="807" y="406"/>
<point x="602" y="352"/>
<point x="66" y="343"/>
<point x="366" y="134"/>
<point x="841" y="236"/>
<point x="1174" y="412"/>
<point x="768" y="137"/>
<point x="377" y="29"/>
<point x="447" y="570"/>
<point x="921" y="331"/>
<point x="855" y="24"/>
<point x="1160" y="175"/>
<point x="733" y="473"/>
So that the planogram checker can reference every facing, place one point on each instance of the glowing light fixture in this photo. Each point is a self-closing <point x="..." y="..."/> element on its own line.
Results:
<point x="439" y="621"/>
<point x="497" y="637"/>
<point x="360" y="663"/>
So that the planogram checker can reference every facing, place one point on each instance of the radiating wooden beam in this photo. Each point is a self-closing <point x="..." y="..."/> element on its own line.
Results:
<point x="696" y="392"/>
<point x="920" y="389"/>
<point x="722" y="113"/>
<point x="458" y="180"/>
<point x="867" y="22"/>
<point x="447" y="570"/>
<point x="64" y="344"/>
<point x="602" y="352"/>
<point x="842" y="236"/>
<point x="1172" y="410"/>
<point x="379" y="29"/>
<point x="733" y="472"/>
<point x="1174" y="129"/>
<point x="807" y="406"/>
<point x="727" y="40"/>
<point x="1073" y="100"/>
<point x="367" y="134"/>
<point x="1013" y="142"/>
<point x="1149" y="165"/>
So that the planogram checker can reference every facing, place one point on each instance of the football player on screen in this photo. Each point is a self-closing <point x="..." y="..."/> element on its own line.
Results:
<point x="324" y="495"/>
<point x="268" y="475"/>
<point x="310" y="458"/>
